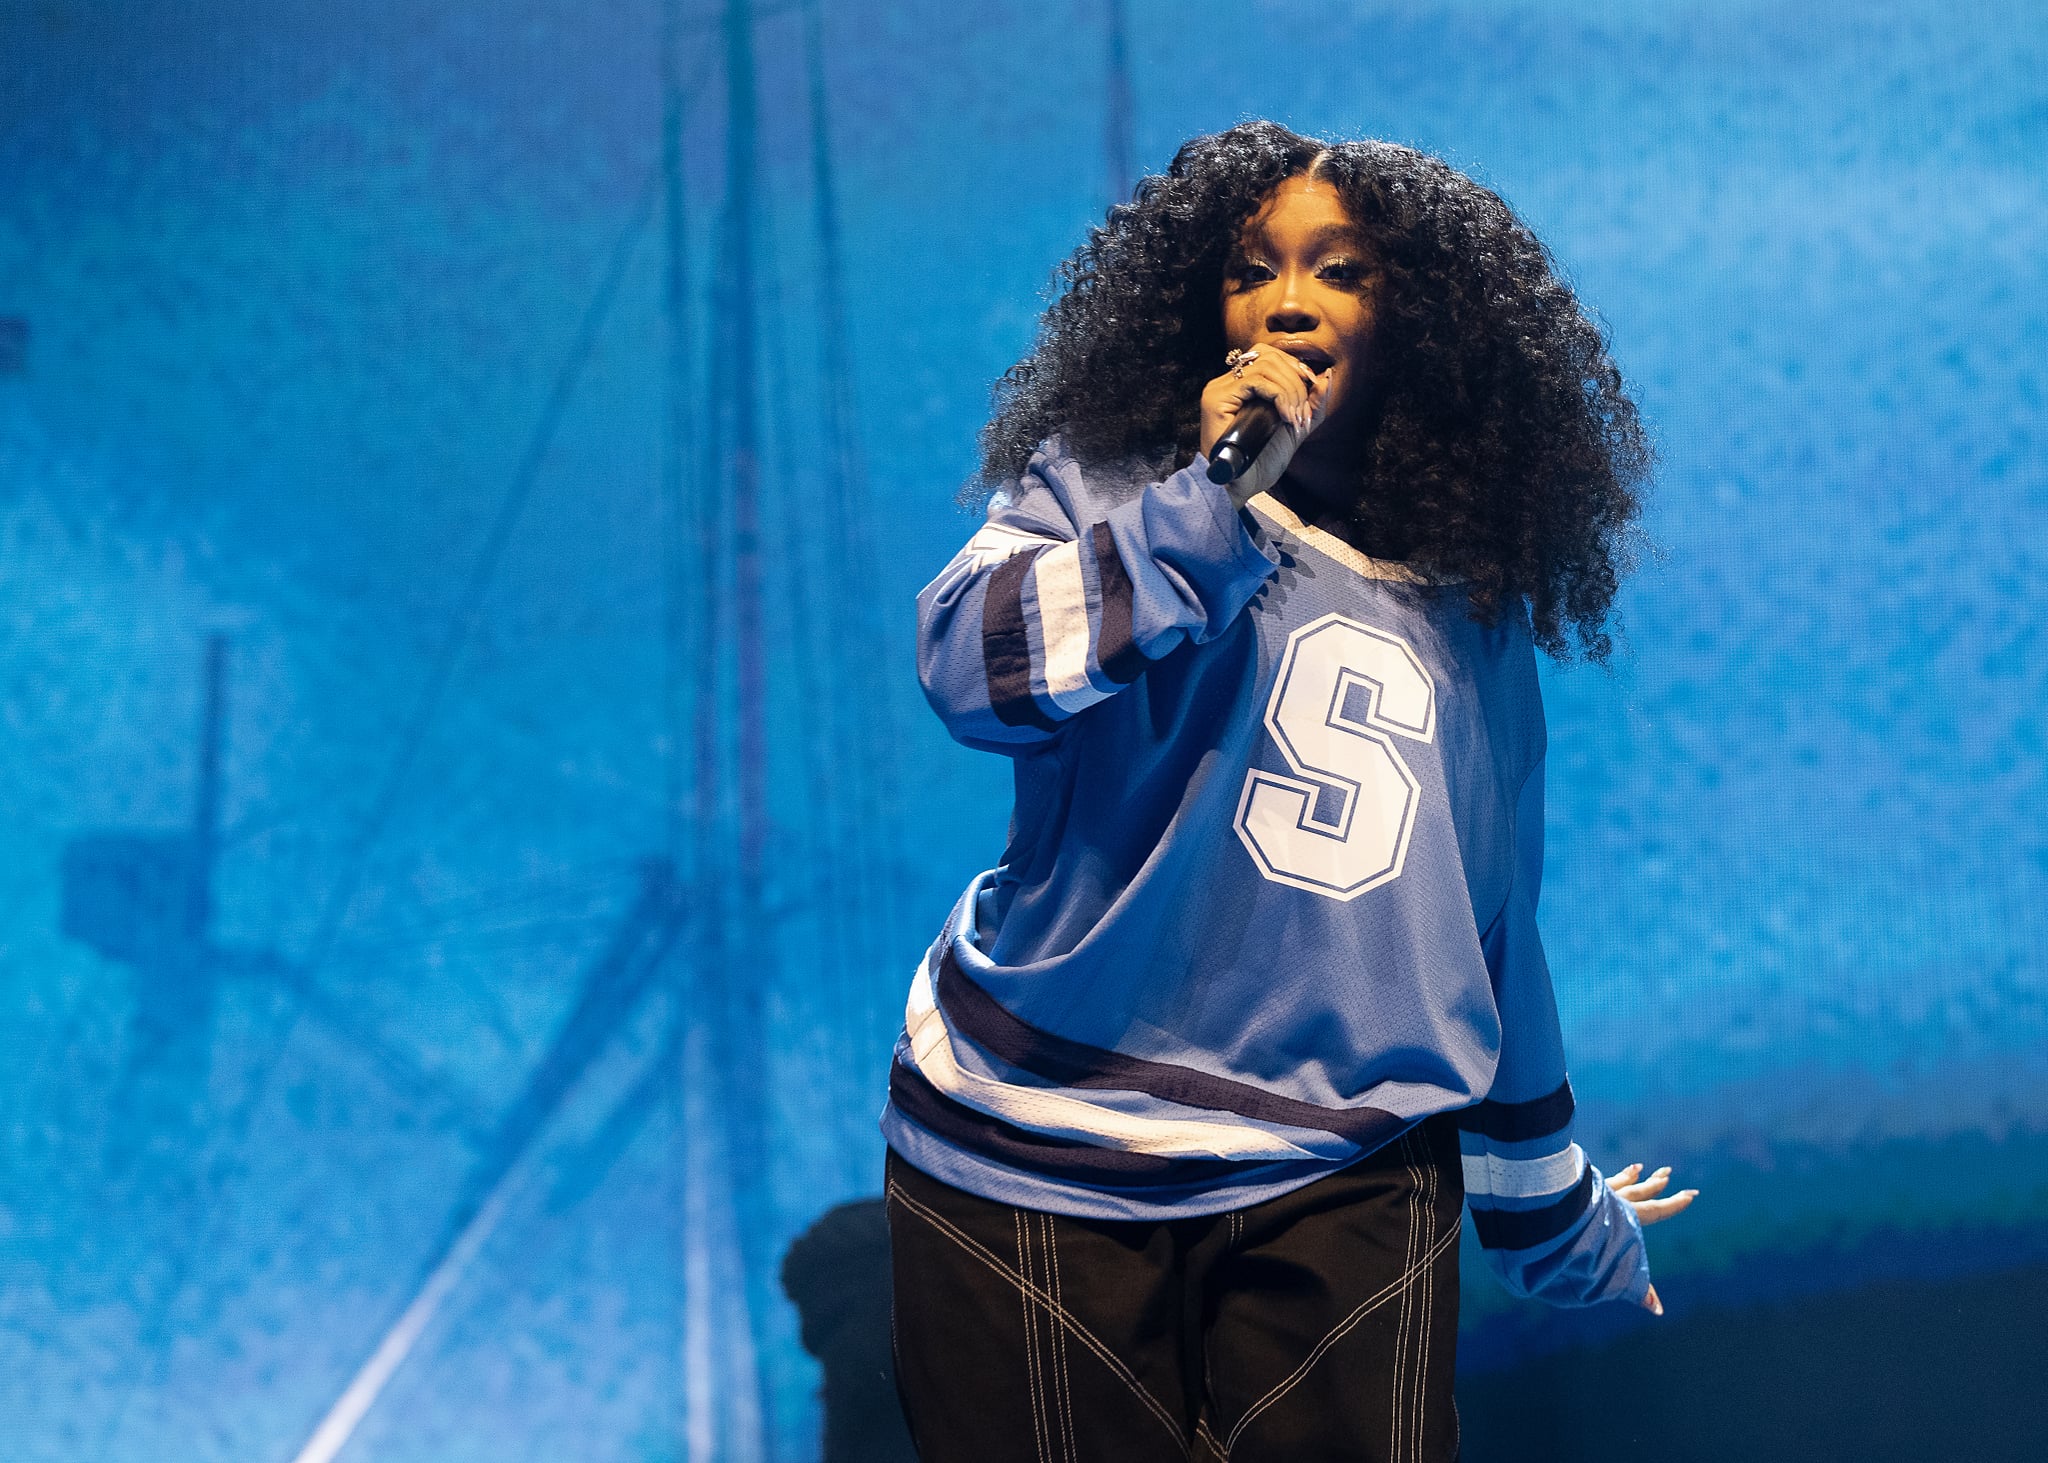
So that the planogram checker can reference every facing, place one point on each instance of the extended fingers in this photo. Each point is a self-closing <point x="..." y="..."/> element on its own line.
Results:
<point x="1642" y="1193"/>
<point x="1627" y="1175"/>
<point x="1649" y="1211"/>
<point x="1632" y="1189"/>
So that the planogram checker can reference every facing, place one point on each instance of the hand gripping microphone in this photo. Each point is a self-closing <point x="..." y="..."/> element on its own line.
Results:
<point x="1242" y="442"/>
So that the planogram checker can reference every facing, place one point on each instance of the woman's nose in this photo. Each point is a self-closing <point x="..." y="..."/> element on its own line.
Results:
<point x="1290" y="317"/>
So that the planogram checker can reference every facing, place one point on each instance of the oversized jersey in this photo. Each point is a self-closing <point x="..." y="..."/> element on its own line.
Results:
<point x="1270" y="891"/>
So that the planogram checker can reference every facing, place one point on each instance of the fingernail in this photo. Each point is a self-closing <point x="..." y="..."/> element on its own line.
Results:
<point x="1665" y="1169"/>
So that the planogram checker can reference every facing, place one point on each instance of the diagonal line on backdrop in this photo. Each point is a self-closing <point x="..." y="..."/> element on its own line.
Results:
<point x="511" y="507"/>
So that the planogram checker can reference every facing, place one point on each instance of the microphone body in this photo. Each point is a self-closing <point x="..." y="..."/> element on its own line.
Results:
<point x="1242" y="442"/>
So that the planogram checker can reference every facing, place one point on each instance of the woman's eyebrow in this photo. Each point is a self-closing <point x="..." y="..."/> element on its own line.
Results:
<point x="1348" y="234"/>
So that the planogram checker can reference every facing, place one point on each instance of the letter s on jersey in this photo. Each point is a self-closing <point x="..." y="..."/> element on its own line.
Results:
<point x="1341" y="825"/>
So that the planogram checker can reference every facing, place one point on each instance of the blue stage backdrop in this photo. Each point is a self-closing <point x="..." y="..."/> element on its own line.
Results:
<point x="465" y="470"/>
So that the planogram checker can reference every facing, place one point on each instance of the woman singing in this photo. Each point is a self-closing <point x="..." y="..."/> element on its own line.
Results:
<point x="1195" y="1082"/>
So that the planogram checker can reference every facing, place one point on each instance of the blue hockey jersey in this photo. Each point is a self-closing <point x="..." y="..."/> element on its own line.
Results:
<point x="1270" y="891"/>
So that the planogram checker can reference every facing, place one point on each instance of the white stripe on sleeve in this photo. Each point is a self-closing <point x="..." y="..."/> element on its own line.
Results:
<point x="1063" y="627"/>
<point x="1523" y="1178"/>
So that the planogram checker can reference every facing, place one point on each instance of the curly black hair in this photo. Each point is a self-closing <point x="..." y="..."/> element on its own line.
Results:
<point x="1504" y="451"/>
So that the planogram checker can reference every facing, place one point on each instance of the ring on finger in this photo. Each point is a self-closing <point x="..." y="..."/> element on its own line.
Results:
<point x="1237" y="360"/>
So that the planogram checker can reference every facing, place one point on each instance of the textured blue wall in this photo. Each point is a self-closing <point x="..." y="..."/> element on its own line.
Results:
<point x="297" y="282"/>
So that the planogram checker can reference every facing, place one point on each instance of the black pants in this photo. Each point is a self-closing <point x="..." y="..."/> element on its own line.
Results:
<point x="1319" y="1325"/>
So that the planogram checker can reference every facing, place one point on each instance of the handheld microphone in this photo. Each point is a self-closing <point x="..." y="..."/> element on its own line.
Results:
<point x="1242" y="442"/>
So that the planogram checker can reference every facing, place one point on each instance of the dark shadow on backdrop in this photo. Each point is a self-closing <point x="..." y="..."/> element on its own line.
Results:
<point x="837" y="1273"/>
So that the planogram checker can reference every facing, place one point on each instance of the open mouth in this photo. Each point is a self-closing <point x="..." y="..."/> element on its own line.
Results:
<point x="1313" y="356"/>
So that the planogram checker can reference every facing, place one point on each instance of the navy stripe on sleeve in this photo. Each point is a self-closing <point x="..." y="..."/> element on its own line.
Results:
<point x="1115" y="651"/>
<point x="984" y="1020"/>
<point x="1521" y="1229"/>
<point x="1517" y="1122"/>
<point x="1006" y="645"/>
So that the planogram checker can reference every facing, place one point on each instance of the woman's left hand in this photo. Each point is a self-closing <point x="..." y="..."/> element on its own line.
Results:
<point x="1641" y="1194"/>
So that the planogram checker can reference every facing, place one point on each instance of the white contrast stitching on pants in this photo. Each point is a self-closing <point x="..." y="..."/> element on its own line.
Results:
<point x="1333" y="1336"/>
<point x="1399" y="1379"/>
<point x="1030" y="1338"/>
<point x="1427" y="1299"/>
<point x="1059" y="1340"/>
<point x="1087" y="1338"/>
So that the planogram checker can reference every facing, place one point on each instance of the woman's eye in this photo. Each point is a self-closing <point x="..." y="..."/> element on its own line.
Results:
<point x="1250" y="272"/>
<point x="1342" y="269"/>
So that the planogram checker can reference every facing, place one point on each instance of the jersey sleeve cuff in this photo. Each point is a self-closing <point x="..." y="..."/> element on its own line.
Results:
<point x="1237" y="539"/>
